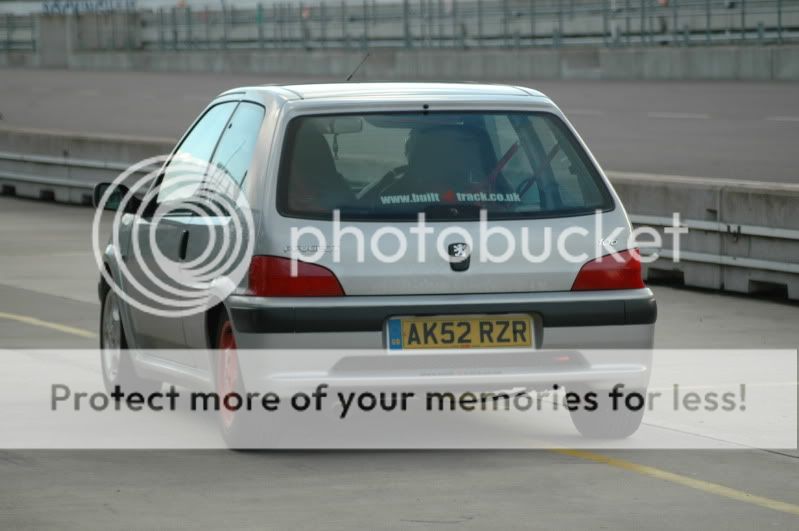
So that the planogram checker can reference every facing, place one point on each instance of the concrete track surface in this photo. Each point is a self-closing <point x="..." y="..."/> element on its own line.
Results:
<point x="47" y="299"/>
<point x="706" y="129"/>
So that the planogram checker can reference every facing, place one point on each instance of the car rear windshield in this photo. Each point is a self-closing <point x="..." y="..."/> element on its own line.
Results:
<point x="515" y="165"/>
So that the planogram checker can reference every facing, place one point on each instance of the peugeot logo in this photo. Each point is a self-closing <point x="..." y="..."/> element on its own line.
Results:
<point x="459" y="250"/>
<point x="459" y="256"/>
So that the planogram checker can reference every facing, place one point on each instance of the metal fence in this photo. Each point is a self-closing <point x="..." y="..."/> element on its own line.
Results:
<point x="17" y="33"/>
<point x="429" y="24"/>
<point x="473" y="23"/>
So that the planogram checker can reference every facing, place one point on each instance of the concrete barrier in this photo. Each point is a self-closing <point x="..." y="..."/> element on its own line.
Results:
<point x="743" y="236"/>
<point x="649" y="63"/>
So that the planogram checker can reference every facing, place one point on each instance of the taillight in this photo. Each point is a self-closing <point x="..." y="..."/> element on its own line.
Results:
<point x="270" y="276"/>
<point x="608" y="272"/>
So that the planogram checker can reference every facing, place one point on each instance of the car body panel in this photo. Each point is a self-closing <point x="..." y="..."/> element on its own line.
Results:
<point x="405" y="284"/>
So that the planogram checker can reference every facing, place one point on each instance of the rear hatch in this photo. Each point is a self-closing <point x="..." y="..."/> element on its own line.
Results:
<point x="442" y="202"/>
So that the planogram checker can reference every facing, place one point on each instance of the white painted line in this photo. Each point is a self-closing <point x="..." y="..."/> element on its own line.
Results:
<point x="724" y="385"/>
<point x="584" y="112"/>
<point x="90" y="136"/>
<point x="783" y="118"/>
<point x="679" y="115"/>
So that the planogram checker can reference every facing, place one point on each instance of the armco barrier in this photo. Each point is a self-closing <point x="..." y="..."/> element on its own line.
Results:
<point x="743" y="236"/>
<point x="65" y="166"/>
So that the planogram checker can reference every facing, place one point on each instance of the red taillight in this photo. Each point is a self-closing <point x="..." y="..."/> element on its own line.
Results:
<point x="270" y="276"/>
<point x="608" y="272"/>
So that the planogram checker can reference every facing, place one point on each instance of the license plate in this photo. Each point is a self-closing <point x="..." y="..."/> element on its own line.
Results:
<point x="460" y="332"/>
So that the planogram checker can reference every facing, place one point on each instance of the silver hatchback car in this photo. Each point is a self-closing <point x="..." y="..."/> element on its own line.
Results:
<point x="387" y="219"/>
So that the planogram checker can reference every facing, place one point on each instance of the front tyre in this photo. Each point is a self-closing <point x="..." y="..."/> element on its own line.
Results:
<point x="117" y="367"/>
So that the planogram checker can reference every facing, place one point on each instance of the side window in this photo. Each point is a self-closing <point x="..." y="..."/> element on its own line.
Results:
<point x="575" y="185"/>
<point x="234" y="152"/>
<point x="178" y="183"/>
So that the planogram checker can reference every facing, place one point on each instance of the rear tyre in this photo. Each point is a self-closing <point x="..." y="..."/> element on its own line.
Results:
<point x="238" y="427"/>
<point x="117" y="367"/>
<point x="604" y="422"/>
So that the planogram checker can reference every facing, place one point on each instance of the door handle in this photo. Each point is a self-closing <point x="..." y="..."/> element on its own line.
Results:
<point x="184" y="245"/>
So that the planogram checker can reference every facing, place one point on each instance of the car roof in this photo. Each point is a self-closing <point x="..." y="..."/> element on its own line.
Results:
<point x="335" y="91"/>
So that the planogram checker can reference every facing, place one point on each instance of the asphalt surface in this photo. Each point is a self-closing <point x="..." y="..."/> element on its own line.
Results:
<point x="704" y="129"/>
<point x="47" y="274"/>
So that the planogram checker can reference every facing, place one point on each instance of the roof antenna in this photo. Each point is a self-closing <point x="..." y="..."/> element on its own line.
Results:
<point x="365" y="57"/>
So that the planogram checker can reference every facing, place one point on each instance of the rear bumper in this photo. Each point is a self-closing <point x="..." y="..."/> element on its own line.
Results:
<point x="344" y="341"/>
<point x="288" y="372"/>
<point x="253" y="315"/>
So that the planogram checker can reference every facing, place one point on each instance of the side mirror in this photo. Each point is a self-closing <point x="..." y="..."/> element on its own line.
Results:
<point x="116" y="194"/>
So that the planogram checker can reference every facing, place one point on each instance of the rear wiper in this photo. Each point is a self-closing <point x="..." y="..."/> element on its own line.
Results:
<point x="350" y="211"/>
<point x="452" y="211"/>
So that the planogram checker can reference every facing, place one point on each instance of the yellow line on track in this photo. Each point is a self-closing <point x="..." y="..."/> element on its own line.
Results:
<point x="33" y="321"/>
<point x="685" y="481"/>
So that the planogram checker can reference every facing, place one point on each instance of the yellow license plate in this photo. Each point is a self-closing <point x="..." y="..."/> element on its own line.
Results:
<point x="461" y="332"/>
